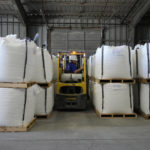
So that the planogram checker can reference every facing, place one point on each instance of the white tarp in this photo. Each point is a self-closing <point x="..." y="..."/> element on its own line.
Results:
<point x="143" y="60"/>
<point x="113" y="62"/>
<point x="14" y="107"/>
<point x="145" y="98"/>
<point x="113" y="98"/>
<point x="43" y="64"/>
<point x="13" y="59"/>
<point x="44" y="100"/>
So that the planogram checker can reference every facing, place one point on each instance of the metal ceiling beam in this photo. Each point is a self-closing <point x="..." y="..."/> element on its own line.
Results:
<point x="140" y="13"/>
<point x="131" y="9"/>
<point x="20" y="11"/>
<point x="61" y="3"/>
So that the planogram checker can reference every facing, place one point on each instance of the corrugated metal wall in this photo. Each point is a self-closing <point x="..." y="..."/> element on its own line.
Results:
<point x="9" y="24"/>
<point x="83" y="39"/>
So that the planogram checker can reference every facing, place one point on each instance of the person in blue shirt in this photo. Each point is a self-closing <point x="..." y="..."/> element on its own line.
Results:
<point x="71" y="67"/>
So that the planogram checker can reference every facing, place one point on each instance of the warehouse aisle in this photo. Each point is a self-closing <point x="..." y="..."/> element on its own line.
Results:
<point x="80" y="130"/>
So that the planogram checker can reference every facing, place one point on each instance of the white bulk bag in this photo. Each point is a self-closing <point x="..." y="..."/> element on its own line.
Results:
<point x="54" y="58"/>
<point x="113" y="62"/>
<point x="113" y="98"/>
<point x="48" y="66"/>
<point x="97" y="96"/>
<point x="43" y="67"/>
<point x="89" y="66"/>
<point x="39" y="70"/>
<point x="16" y="59"/>
<point x="45" y="100"/>
<point x="145" y="98"/>
<point x="134" y="64"/>
<point x="97" y="64"/>
<point x="144" y="60"/>
<point x="17" y="106"/>
<point x="93" y="65"/>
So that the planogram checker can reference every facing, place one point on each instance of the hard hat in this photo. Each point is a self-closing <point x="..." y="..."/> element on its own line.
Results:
<point x="73" y="57"/>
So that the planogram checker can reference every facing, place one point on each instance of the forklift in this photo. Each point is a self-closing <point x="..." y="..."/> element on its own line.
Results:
<point x="71" y="86"/>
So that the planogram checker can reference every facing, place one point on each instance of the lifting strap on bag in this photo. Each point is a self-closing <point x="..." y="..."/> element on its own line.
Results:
<point x="45" y="100"/>
<point x="102" y="60"/>
<point x="148" y="59"/>
<point x="130" y="96"/>
<point x="43" y="61"/>
<point x="24" y="107"/>
<point x="102" y="96"/>
<point x="26" y="57"/>
<point x="130" y="61"/>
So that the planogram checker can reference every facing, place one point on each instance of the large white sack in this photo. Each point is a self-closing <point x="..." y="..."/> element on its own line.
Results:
<point x="54" y="58"/>
<point x="93" y="65"/>
<point x="97" y="64"/>
<point x="113" y="62"/>
<point x="113" y="98"/>
<point x="44" y="100"/>
<point x="89" y="66"/>
<point x="145" y="98"/>
<point x="143" y="60"/>
<point x="97" y="96"/>
<point x="43" y="66"/>
<point x="134" y="64"/>
<point x="13" y="59"/>
<point x="13" y="106"/>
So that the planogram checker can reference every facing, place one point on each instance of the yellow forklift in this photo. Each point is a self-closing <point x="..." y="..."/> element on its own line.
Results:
<point x="71" y="85"/>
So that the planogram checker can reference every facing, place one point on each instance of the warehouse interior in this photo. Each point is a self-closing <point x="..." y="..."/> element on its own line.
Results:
<point x="79" y="26"/>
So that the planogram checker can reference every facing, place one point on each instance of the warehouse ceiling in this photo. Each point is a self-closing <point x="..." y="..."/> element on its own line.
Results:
<point x="125" y="10"/>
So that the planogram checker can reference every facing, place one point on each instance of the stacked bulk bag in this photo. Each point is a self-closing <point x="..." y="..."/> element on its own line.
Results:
<point x="113" y="62"/>
<point x="145" y="98"/>
<point x="143" y="52"/>
<point x="54" y="58"/>
<point x="17" y="106"/>
<point x="113" y="98"/>
<point x="134" y="64"/>
<point x="44" y="66"/>
<point x="89" y="66"/>
<point x="44" y="100"/>
<point x="16" y="59"/>
<point x="143" y="62"/>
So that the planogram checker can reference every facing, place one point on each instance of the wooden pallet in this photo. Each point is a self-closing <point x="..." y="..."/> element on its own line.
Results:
<point x="116" y="115"/>
<point x="46" y="85"/>
<point x="146" y="116"/>
<point x="16" y="85"/>
<point x="44" y="116"/>
<point x="132" y="81"/>
<point x="144" y="80"/>
<point x="18" y="129"/>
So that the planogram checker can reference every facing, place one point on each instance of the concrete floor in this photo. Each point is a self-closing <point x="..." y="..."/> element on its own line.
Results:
<point x="81" y="131"/>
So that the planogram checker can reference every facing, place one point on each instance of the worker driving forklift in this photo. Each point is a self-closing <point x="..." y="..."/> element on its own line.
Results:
<point x="71" y="86"/>
<point x="72" y="65"/>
